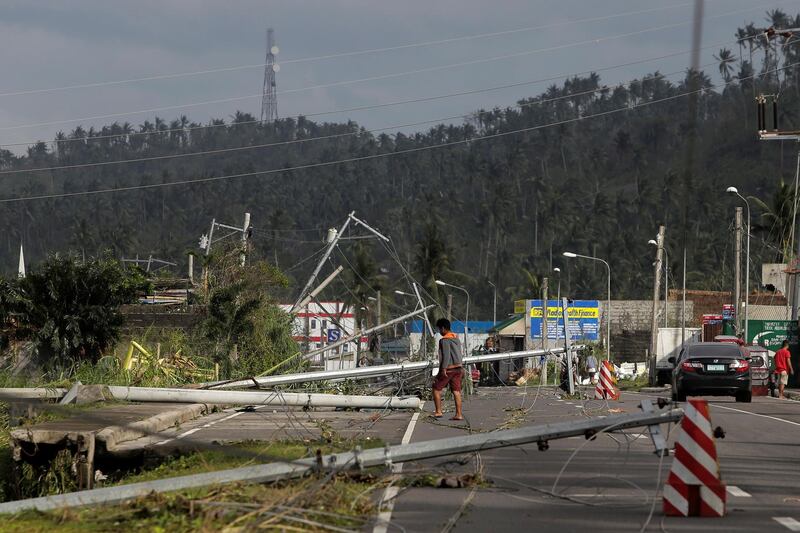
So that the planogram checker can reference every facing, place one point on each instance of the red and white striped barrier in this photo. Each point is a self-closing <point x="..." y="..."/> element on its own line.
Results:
<point x="694" y="487"/>
<point x="606" y="388"/>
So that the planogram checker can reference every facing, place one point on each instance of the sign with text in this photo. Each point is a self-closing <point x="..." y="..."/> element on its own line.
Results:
<point x="584" y="320"/>
<point x="771" y="333"/>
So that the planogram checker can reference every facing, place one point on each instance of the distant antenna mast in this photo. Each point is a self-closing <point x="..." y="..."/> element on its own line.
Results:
<point x="269" y="100"/>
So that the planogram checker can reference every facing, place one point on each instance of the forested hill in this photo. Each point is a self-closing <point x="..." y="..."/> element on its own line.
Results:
<point x="580" y="167"/>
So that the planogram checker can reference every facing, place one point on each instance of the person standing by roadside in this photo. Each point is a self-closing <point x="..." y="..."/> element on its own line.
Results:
<point x="450" y="369"/>
<point x="591" y="368"/>
<point x="783" y="367"/>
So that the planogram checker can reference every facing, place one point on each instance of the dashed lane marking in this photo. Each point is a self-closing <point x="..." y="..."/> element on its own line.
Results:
<point x="204" y="426"/>
<point x="733" y="490"/>
<point x="390" y="494"/>
<point x="788" y="522"/>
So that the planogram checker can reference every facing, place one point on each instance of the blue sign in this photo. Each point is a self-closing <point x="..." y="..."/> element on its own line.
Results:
<point x="334" y="335"/>
<point x="584" y="320"/>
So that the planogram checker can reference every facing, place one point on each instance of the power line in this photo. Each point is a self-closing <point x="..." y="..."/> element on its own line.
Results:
<point x="379" y="77"/>
<point x="332" y="136"/>
<point x="344" y="54"/>
<point x="383" y="155"/>
<point x="378" y="106"/>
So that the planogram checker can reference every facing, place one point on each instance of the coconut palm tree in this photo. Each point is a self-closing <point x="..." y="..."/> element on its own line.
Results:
<point x="726" y="59"/>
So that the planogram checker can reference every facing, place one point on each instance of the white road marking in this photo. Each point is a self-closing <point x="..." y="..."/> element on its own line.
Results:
<point x="204" y="426"/>
<point x="788" y="522"/>
<point x="389" y="495"/>
<point x="733" y="490"/>
<point x="756" y="414"/>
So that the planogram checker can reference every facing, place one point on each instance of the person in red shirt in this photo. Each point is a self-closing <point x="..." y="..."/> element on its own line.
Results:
<point x="783" y="367"/>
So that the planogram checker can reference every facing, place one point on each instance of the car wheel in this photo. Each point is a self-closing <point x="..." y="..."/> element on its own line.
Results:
<point x="674" y="396"/>
<point x="680" y="396"/>
<point x="745" y="397"/>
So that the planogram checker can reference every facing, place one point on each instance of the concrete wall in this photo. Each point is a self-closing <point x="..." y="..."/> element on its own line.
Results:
<point x="631" y="321"/>
<point x="636" y="315"/>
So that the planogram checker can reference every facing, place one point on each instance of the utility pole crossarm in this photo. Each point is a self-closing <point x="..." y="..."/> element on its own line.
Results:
<point x="321" y="262"/>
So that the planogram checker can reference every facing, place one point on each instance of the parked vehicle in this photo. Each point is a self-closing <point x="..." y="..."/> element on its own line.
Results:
<point x="760" y="374"/>
<point x="668" y="344"/>
<point x="733" y="339"/>
<point x="714" y="369"/>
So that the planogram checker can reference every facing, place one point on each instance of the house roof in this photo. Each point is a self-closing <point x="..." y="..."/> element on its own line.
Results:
<point x="513" y="326"/>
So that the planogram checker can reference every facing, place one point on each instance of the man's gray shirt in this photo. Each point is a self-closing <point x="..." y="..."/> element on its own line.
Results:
<point x="449" y="352"/>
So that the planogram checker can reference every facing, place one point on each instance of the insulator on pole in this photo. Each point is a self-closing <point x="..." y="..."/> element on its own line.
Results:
<point x="775" y="114"/>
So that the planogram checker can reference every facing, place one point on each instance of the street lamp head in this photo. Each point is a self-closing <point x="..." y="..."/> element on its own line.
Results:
<point x="440" y="282"/>
<point x="371" y="298"/>
<point x="653" y="242"/>
<point x="401" y="293"/>
<point x="556" y="269"/>
<point x="732" y="190"/>
<point x="571" y="255"/>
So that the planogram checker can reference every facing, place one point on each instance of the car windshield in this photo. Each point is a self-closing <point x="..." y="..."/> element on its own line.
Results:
<point x="718" y="349"/>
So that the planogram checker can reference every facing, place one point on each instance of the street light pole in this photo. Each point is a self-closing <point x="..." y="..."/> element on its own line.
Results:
<point x="558" y="293"/>
<point x="572" y="255"/>
<point x="466" y="321"/>
<point x="734" y="190"/>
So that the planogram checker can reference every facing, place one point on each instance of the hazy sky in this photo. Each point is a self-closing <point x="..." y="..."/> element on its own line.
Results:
<point x="57" y="43"/>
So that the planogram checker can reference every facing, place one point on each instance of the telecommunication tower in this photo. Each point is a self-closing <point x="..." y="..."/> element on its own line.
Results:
<point x="269" y="99"/>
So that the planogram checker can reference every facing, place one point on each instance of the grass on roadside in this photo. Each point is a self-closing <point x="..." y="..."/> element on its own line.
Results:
<point x="304" y="504"/>
<point x="633" y="384"/>
<point x="308" y="504"/>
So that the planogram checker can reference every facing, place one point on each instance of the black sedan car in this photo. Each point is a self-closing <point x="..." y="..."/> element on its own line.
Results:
<point x="711" y="368"/>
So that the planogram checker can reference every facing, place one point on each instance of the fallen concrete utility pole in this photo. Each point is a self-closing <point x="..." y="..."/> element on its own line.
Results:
<point x="151" y="394"/>
<point x="42" y="393"/>
<point x="351" y="460"/>
<point x="372" y="371"/>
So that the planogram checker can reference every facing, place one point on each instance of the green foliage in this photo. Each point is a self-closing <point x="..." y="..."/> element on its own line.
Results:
<point x="69" y="308"/>
<point x="244" y="331"/>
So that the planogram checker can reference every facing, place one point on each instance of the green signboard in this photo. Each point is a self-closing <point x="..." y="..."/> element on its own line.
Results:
<point x="771" y="333"/>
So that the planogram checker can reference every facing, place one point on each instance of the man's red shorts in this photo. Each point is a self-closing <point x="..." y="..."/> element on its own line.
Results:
<point x="451" y="376"/>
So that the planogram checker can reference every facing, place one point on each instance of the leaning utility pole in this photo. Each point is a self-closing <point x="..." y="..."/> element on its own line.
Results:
<point x="737" y="268"/>
<point x="269" y="98"/>
<point x="654" y="322"/>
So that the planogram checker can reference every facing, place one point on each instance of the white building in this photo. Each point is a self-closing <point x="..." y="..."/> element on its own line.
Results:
<point x="317" y="325"/>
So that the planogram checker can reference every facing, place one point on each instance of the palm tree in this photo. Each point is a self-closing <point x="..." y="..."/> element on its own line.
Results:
<point x="725" y="58"/>
<point x="777" y="219"/>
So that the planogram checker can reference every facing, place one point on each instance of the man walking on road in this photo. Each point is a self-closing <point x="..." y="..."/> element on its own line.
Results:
<point x="450" y="369"/>
<point x="783" y="367"/>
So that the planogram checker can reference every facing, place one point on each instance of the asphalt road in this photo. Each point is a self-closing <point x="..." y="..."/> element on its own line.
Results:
<point x="268" y="423"/>
<point x="612" y="482"/>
